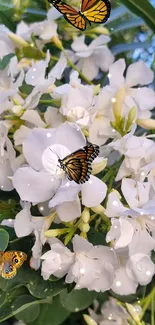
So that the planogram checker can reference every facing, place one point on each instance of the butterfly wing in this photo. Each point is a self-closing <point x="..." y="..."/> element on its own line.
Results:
<point x="78" y="164"/>
<point x="8" y="271"/>
<point x="96" y="11"/>
<point x="10" y="262"/>
<point x="70" y="14"/>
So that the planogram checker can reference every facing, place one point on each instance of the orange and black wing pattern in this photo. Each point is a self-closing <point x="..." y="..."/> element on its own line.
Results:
<point x="70" y="14"/>
<point x="78" y="164"/>
<point x="96" y="11"/>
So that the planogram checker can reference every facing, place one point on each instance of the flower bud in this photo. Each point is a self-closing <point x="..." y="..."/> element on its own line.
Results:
<point x="55" y="232"/>
<point x="131" y="117"/>
<point x="89" y="320"/>
<point x="84" y="227"/>
<point x="148" y="124"/>
<point x="101" y="30"/>
<point x="99" y="166"/>
<point x="132" y="311"/>
<point x="85" y="216"/>
<point x="18" y="40"/>
<point x="98" y="210"/>
<point x="117" y="193"/>
<point x="18" y="110"/>
<point x="118" y="104"/>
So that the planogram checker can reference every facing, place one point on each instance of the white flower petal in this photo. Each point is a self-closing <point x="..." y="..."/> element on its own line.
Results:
<point x="138" y="74"/>
<point x="69" y="211"/>
<point x="123" y="284"/>
<point x="33" y="186"/>
<point x="144" y="98"/>
<point x="93" y="192"/>
<point x="116" y="73"/>
<point x="23" y="224"/>
<point x="34" y="118"/>
<point x="141" y="268"/>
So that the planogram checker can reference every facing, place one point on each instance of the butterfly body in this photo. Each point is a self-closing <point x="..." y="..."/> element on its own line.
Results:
<point x="9" y="263"/>
<point x="77" y="165"/>
<point x="96" y="11"/>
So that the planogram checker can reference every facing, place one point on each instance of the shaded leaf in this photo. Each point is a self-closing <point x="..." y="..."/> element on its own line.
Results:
<point x="6" y="59"/>
<point x="4" y="239"/>
<point x="143" y="9"/>
<point x="51" y="314"/>
<point x="77" y="299"/>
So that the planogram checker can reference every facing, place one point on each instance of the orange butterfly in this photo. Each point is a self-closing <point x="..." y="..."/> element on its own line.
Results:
<point x="9" y="263"/>
<point x="77" y="165"/>
<point x="95" y="11"/>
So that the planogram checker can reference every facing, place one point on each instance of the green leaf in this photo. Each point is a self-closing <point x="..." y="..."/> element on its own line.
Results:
<point x="4" y="239"/>
<point x="143" y="9"/>
<point x="6" y="59"/>
<point x="5" y="19"/>
<point x="77" y="299"/>
<point x="51" y="314"/>
<point x="30" y="313"/>
<point x="40" y="288"/>
<point x="96" y="237"/>
<point x="6" y="308"/>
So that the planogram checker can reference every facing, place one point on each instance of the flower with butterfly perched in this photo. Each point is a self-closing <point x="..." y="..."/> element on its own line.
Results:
<point x="44" y="180"/>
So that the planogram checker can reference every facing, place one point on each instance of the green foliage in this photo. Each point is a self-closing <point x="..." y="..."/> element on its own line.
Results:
<point x="5" y="60"/>
<point x="4" y="239"/>
<point x="143" y="9"/>
<point x="77" y="299"/>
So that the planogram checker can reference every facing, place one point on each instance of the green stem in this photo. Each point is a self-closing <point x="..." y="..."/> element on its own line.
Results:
<point x="153" y="310"/>
<point x="148" y="301"/>
<point x="73" y="66"/>
<point x="50" y="102"/>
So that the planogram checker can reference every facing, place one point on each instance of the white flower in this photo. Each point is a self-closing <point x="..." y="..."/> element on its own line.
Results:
<point x="138" y="152"/>
<point x="138" y="74"/>
<point x="6" y="44"/>
<point x="133" y="222"/>
<point x="8" y="160"/>
<point x="93" y="267"/>
<point x="25" y="224"/>
<point x="43" y="179"/>
<point x="77" y="102"/>
<point x="100" y="130"/>
<point x="10" y="80"/>
<point x="45" y="29"/>
<point x="36" y="74"/>
<point x="95" y="55"/>
<point x="111" y="313"/>
<point x="57" y="260"/>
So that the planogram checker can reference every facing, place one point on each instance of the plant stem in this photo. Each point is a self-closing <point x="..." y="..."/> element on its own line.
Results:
<point x="148" y="301"/>
<point x="73" y="66"/>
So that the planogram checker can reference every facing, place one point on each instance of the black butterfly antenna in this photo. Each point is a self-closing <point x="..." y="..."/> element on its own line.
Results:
<point x="56" y="155"/>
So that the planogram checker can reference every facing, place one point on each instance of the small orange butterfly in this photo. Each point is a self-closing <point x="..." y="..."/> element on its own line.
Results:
<point x="9" y="263"/>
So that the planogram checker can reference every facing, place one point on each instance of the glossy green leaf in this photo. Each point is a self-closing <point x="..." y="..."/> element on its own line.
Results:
<point x="40" y="288"/>
<point x="6" y="59"/>
<point x="51" y="314"/>
<point x="4" y="239"/>
<point x="143" y="9"/>
<point x="30" y="313"/>
<point x="77" y="299"/>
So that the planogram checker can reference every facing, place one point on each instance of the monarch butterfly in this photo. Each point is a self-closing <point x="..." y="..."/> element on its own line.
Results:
<point x="77" y="165"/>
<point x="96" y="11"/>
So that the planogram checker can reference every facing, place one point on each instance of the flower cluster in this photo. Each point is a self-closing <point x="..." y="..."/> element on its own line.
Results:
<point x="46" y="117"/>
